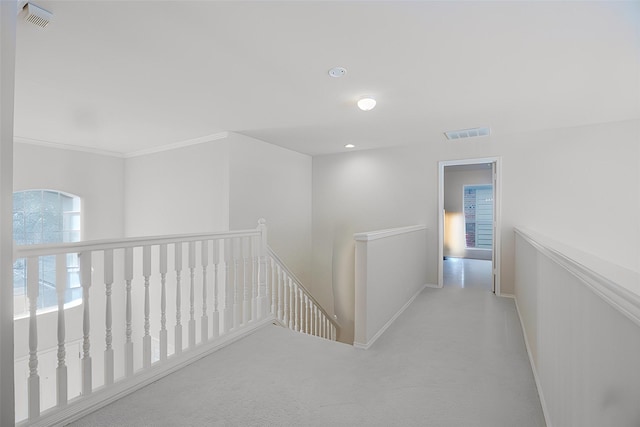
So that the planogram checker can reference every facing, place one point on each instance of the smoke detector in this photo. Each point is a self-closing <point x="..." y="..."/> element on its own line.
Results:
<point x="37" y="15"/>
<point x="468" y="133"/>
<point x="337" y="72"/>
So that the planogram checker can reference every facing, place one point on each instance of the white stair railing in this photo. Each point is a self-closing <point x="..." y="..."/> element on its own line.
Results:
<point x="293" y="306"/>
<point x="223" y="284"/>
<point x="136" y="271"/>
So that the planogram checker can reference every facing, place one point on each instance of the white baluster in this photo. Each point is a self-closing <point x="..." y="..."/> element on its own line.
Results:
<point x="85" y="275"/>
<point x="228" y="285"/>
<point x="146" y="339"/>
<point x="192" y="294"/>
<point x="204" y="320"/>
<point x="280" y="292"/>
<point x="292" y="305"/>
<point x="296" y="310"/>
<point x="255" y="249"/>
<point x="178" y="327"/>
<point x="277" y="294"/>
<point x="274" y="287"/>
<point x="216" y="312"/>
<point x="108" y="320"/>
<point x="307" y="327"/>
<point x="128" y="346"/>
<point x="33" y="385"/>
<point x="237" y="254"/>
<point x="314" y="319"/>
<point x="285" y="297"/>
<point x="263" y="301"/>
<point x="61" y="370"/>
<point x="246" y="264"/>
<point x="310" y="315"/>
<point x="163" y="302"/>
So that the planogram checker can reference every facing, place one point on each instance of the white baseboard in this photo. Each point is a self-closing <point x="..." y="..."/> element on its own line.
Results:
<point x="431" y="285"/>
<point x="367" y="345"/>
<point x="543" y="403"/>
<point x="82" y="406"/>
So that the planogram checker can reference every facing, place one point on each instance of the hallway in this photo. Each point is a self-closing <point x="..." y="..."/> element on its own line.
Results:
<point x="456" y="357"/>
<point x="467" y="273"/>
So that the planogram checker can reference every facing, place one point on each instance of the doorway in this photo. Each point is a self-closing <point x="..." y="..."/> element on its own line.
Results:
<point x="469" y="222"/>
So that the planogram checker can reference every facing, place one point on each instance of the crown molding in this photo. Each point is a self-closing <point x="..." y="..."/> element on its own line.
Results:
<point x="51" y="144"/>
<point x="176" y="145"/>
<point x="137" y="153"/>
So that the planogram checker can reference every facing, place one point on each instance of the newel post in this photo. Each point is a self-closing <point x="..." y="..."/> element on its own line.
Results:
<point x="262" y="271"/>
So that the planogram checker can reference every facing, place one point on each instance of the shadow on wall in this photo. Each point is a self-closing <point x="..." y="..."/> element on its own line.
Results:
<point x="343" y="260"/>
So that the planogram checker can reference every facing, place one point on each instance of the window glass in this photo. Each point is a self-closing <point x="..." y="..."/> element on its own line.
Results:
<point x="478" y="216"/>
<point x="45" y="217"/>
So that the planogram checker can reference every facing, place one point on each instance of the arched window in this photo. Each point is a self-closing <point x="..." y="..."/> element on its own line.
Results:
<point x="45" y="217"/>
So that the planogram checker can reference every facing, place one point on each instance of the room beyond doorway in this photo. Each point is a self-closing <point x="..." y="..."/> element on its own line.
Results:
<point x="469" y="220"/>
<point x="467" y="273"/>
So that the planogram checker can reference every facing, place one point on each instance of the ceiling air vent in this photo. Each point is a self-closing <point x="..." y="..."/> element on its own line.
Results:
<point x="36" y="15"/>
<point x="468" y="133"/>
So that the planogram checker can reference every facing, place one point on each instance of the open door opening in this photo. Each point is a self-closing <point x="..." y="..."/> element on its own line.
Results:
<point x="469" y="223"/>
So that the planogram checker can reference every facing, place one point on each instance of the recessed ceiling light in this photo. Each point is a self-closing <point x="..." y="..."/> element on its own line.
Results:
<point x="468" y="133"/>
<point x="367" y="103"/>
<point x="337" y="72"/>
<point x="349" y="146"/>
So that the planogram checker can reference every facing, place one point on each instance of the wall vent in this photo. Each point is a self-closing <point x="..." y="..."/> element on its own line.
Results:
<point x="468" y="133"/>
<point x="37" y="16"/>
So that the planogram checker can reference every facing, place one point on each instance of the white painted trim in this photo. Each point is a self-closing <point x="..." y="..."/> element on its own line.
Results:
<point x="367" y="345"/>
<point x="176" y="145"/>
<point x="618" y="286"/>
<point x="27" y="251"/>
<point x="60" y="146"/>
<point x="137" y="153"/>
<point x="432" y="285"/>
<point x="543" y="403"/>
<point x="102" y="397"/>
<point x="367" y="236"/>
<point x="497" y="240"/>
<point x="7" y="91"/>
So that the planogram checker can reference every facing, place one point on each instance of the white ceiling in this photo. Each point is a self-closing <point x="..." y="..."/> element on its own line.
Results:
<point x="126" y="76"/>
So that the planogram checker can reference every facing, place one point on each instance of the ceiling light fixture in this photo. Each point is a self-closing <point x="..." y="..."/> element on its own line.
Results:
<point x="349" y="146"/>
<point x="367" y="103"/>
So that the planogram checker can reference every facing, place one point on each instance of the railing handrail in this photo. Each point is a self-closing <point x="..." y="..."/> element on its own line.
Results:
<point x="618" y="286"/>
<point x="298" y="282"/>
<point x="26" y="251"/>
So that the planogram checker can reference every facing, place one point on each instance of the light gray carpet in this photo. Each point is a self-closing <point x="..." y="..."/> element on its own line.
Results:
<point x="456" y="357"/>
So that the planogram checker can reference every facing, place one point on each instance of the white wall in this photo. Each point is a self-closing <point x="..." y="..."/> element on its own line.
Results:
<point x="97" y="179"/>
<point x="274" y="183"/>
<point x="185" y="190"/>
<point x="582" y="347"/>
<point x="390" y="272"/>
<point x="454" y="182"/>
<point x="580" y="185"/>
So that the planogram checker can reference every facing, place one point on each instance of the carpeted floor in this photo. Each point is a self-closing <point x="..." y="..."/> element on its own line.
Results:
<point x="456" y="357"/>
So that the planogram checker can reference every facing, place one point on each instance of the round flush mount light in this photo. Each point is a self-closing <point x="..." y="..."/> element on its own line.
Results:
<point x="349" y="146"/>
<point x="367" y="103"/>
<point x="337" y="72"/>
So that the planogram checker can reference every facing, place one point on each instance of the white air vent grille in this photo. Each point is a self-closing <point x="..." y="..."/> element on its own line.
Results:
<point x="468" y="133"/>
<point x="37" y="15"/>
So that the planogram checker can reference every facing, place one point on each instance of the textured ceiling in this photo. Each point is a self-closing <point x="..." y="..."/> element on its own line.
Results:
<point x="129" y="76"/>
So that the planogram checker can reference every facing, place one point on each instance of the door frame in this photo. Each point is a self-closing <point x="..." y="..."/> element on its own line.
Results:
<point x="497" y="215"/>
